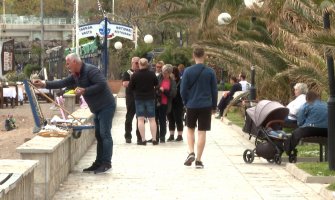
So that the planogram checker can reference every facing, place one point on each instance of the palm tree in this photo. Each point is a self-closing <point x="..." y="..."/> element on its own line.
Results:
<point x="276" y="38"/>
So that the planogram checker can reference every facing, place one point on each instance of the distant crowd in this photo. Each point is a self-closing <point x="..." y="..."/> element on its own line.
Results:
<point x="170" y="95"/>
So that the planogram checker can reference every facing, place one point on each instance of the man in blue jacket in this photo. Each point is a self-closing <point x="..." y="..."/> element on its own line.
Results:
<point x="199" y="93"/>
<point x="91" y="83"/>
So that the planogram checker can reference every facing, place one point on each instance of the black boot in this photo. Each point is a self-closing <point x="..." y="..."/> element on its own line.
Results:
<point x="102" y="168"/>
<point x="171" y="138"/>
<point x="179" y="138"/>
<point x="93" y="167"/>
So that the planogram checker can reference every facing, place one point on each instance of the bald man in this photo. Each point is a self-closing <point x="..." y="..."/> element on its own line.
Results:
<point x="91" y="83"/>
<point x="130" y="101"/>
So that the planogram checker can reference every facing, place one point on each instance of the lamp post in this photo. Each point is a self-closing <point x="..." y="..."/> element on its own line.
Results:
<point x="252" y="85"/>
<point x="331" y="99"/>
<point x="251" y="4"/>
<point x="77" y="27"/>
<point x="224" y="19"/>
<point x="148" y="39"/>
<point x="118" y="45"/>
<point x="105" y="49"/>
<point x="4" y="11"/>
<point x="180" y="36"/>
<point x="42" y="34"/>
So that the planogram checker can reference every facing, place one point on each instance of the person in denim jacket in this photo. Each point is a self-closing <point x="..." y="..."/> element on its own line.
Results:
<point x="312" y="120"/>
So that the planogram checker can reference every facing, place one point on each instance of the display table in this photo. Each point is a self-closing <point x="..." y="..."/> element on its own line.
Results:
<point x="11" y="94"/>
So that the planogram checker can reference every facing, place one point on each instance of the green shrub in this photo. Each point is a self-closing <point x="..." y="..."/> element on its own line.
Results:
<point x="30" y="68"/>
<point x="176" y="56"/>
<point x="13" y="76"/>
<point x="142" y="50"/>
<point x="220" y="87"/>
<point x="227" y="86"/>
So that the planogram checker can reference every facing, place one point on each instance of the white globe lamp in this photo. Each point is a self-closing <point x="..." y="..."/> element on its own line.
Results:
<point x="224" y="18"/>
<point x="252" y="3"/>
<point x="118" y="45"/>
<point x="148" y="39"/>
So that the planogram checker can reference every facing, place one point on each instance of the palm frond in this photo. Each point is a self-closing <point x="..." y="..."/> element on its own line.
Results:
<point x="206" y="8"/>
<point x="183" y="13"/>
<point x="177" y="2"/>
<point x="302" y="14"/>
<point x="326" y="38"/>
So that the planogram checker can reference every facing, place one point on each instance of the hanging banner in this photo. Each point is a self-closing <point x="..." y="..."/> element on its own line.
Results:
<point x="7" y="56"/>
<point x="113" y="30"/>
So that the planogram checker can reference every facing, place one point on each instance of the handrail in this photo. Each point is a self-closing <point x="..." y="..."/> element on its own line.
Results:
<point x="15" y="19"/>
<point x="6" y="178"/>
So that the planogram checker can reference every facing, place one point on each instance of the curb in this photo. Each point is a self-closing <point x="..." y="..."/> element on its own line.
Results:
<point x="252" y="140"/>
<point x="307" y="178"/>
<point x="295" y="171"/>
<point x="327" y="194"/>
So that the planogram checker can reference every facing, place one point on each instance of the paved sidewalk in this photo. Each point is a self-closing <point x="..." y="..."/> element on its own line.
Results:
<point x="157" y="172"/>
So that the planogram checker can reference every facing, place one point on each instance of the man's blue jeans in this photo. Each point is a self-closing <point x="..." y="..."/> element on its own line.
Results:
<point x="103" y="125"/>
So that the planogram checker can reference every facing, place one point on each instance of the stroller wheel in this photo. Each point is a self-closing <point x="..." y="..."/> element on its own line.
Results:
<point x="292" y="158"/>
<point x="270" y="160"/>
<point x="277" y="159"/>
<point x="248" y="156"/>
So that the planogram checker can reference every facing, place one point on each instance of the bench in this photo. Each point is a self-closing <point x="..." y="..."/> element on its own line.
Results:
<point x="323" y="144"/>
<point x="237" y="100"/>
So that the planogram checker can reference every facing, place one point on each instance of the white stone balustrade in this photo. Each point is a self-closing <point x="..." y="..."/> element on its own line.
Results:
<point x="19" y="184"/>
<point x="57" y="156"/>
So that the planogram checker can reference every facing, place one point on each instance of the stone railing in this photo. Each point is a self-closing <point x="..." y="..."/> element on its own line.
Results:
<point x="16" y="177"/>
<point x="57" y="156"/>
<point x="15" y="19"/>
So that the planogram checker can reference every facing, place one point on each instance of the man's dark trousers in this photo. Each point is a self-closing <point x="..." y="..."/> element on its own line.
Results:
<point x="131" y="111"/>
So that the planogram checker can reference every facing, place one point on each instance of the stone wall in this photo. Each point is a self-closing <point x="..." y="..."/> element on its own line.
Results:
<point x="57" y="156"/>
<point x="18" y="186"/>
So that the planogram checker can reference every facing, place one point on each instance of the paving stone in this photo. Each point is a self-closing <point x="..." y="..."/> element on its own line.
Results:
<point x="157" y="172"/>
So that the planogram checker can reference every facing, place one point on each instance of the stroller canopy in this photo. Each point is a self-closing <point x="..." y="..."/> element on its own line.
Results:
<point x="266" y="111"/>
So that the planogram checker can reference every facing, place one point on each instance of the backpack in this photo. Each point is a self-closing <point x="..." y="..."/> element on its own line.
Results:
<point x="10" y="124"/>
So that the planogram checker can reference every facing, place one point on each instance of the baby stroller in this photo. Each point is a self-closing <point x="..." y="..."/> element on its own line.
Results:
<point x="264" y="122"/>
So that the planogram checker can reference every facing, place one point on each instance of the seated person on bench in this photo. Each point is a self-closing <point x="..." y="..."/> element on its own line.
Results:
<point x="300" y="90"/>
<point x="228" y="96"/>
<point x="312" y="120"/>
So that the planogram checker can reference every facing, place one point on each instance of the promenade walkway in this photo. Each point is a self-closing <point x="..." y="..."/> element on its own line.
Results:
<point x="157" y="172"/>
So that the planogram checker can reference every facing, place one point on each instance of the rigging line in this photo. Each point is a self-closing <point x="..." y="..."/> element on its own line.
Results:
<point x="74" y="23"/>
<point x="100" y="8"/>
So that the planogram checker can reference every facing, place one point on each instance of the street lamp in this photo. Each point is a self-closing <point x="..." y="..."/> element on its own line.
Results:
<point x="118" y="45"/>
<point x="251" y="4"/>
<point x="4" y="11"/>
<point x="148" y="39"/>
<point x="180" y="36"/>
<point x="224" y="18"/>
<point x="42" y="33"/>
<point x="331" y="99"/>
<point x="252" y="84"/>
